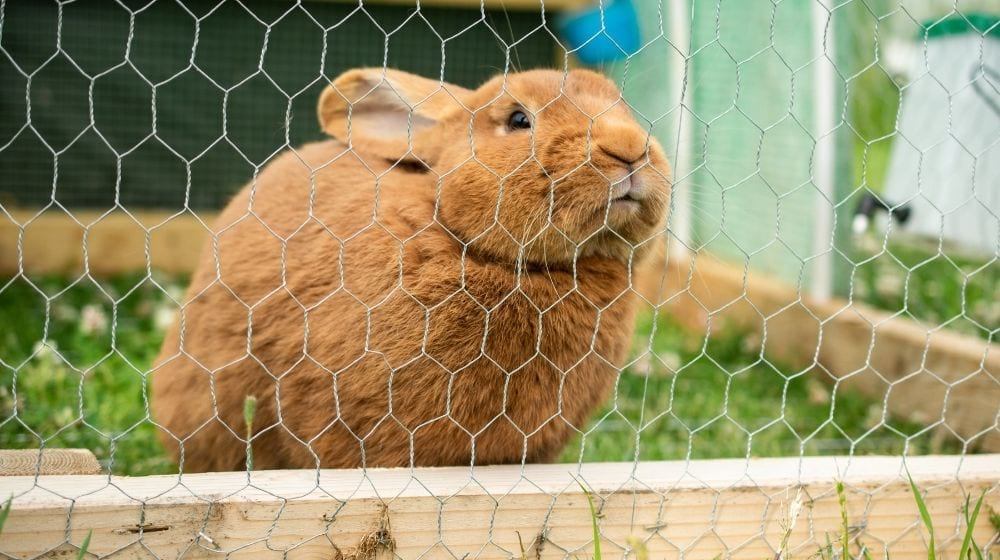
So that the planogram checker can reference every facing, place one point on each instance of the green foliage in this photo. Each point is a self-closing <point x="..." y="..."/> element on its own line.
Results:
<point x="5" y="512"/>
<point x="86" y="385"/>
<point x="968" y="544"/>
<point x="84" y="546"/>
<point x="845" y="527"/>
<point x="593" y="521"/>
<point x="925" y="516"/>
<point x="249" y="411"/>
<point x="703" y="399"/>
<point x="935" y="286"/>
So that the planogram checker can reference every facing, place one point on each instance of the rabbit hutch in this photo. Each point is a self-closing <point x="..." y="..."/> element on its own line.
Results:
<point x="815" y="367"/>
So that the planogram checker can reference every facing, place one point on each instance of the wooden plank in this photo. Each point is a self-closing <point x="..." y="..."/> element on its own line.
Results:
<point x="933" y="376"/>
<point x="739" y="508"/>
<point x="102" y="243"/>
<point x="29" y="462"/>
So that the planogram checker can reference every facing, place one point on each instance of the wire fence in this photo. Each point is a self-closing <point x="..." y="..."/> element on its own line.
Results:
<point x="471" y="261"/>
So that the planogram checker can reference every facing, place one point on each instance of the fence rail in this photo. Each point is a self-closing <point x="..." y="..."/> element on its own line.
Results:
<point x="690" y="509"/>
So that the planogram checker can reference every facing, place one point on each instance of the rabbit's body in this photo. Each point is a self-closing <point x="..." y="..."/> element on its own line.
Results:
<point x="377" y="330"/>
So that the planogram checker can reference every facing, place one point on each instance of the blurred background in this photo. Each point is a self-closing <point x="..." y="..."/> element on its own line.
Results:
<point x="849" y="152"/>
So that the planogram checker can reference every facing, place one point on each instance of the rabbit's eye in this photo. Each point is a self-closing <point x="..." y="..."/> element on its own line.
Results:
<point x="518" y="120"/>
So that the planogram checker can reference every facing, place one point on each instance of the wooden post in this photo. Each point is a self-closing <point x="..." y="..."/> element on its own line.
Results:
<point x="701" y="509"/>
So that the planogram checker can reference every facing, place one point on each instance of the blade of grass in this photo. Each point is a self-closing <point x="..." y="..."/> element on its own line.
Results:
<point x="84" y="546"/>
<point x="970" y="525"/>
<point x="249" y="411"/>
<point x="828" y="549"/>
<point x="638" y="548"/>
<point x="593" y="521"/>
<point x="5" y="512"/>
<point x="845" y="527"/>
<point x="524" y="553"/>
<point x="925" y="516"/>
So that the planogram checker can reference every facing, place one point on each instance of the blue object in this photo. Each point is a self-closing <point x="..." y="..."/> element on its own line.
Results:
<point x="593" y="43"/>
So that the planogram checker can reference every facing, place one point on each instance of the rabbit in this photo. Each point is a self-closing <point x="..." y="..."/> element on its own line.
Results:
<point x="444" y="281"/>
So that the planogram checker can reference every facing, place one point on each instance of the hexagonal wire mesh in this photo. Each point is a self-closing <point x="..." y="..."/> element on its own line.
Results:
<point x="455" y="276"/>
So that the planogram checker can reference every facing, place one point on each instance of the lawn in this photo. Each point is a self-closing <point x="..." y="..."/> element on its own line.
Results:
<point x="938" y="287"/>
<point x="682" y="397"/>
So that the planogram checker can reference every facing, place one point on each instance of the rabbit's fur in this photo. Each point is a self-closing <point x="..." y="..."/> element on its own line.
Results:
<point x="403" y="295"/>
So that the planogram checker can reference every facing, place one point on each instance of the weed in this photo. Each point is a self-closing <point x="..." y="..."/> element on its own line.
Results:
<point x="249" y="411"/>
<point x="84" y="546"/>
<point x="638" y="548"/>
<point x="593" y="521"/>
<point x="5" y="512"/>
<point x="968" y="544"/>
<point x="925" y="516"/>
<point x="845" y="528"/>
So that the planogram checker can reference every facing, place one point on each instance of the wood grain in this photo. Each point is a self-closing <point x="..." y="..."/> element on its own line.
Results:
<point x="737" y="508"/>
<point x="28" y="462"/>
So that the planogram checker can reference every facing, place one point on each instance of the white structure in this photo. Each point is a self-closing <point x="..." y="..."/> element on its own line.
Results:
<point x="945" y="162"/>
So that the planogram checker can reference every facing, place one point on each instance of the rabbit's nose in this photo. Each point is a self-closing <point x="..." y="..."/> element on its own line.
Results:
<point x="627" y="158"/>
<point x="624" y="143"/>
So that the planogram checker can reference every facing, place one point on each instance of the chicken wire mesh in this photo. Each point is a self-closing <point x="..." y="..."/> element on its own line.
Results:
<point x="494" y="333"/>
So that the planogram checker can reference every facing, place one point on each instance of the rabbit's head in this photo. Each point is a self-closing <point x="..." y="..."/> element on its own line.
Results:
<point x="537" y="167"/>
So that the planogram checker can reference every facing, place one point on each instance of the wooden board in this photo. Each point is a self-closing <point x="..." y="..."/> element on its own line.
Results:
<point x="28" y="462"/>
<point x="736" y="508"/>
<point x="103" y="244"/>
<point x="923" y="373"/>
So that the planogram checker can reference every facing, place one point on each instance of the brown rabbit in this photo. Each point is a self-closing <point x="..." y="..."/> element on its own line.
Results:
<point x="447" y="281"/>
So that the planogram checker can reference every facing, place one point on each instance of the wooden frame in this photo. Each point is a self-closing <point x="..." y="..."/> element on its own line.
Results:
<point x="938" y="377"/>
<point x="698" y="509"/>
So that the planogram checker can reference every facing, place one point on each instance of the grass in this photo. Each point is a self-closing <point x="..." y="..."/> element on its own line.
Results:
<point x="593" y="520"/>
<point x="682" y="397"/>
<point x="85" y="385"/>
<point x="935" y="287"/>
<point x="692" y="398"/>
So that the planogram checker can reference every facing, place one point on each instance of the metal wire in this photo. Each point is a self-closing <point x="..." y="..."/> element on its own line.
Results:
<point x="773" y="134"/>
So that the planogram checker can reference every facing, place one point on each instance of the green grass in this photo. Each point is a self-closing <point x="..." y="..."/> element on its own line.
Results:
<point x="686" y="398"/>
<point x="701" y="400"/>
<point x="934" y="287"/>
<point x="93" y="396"/>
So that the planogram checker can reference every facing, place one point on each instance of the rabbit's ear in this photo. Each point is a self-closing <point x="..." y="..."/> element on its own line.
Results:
<point x="382" y="111"/>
